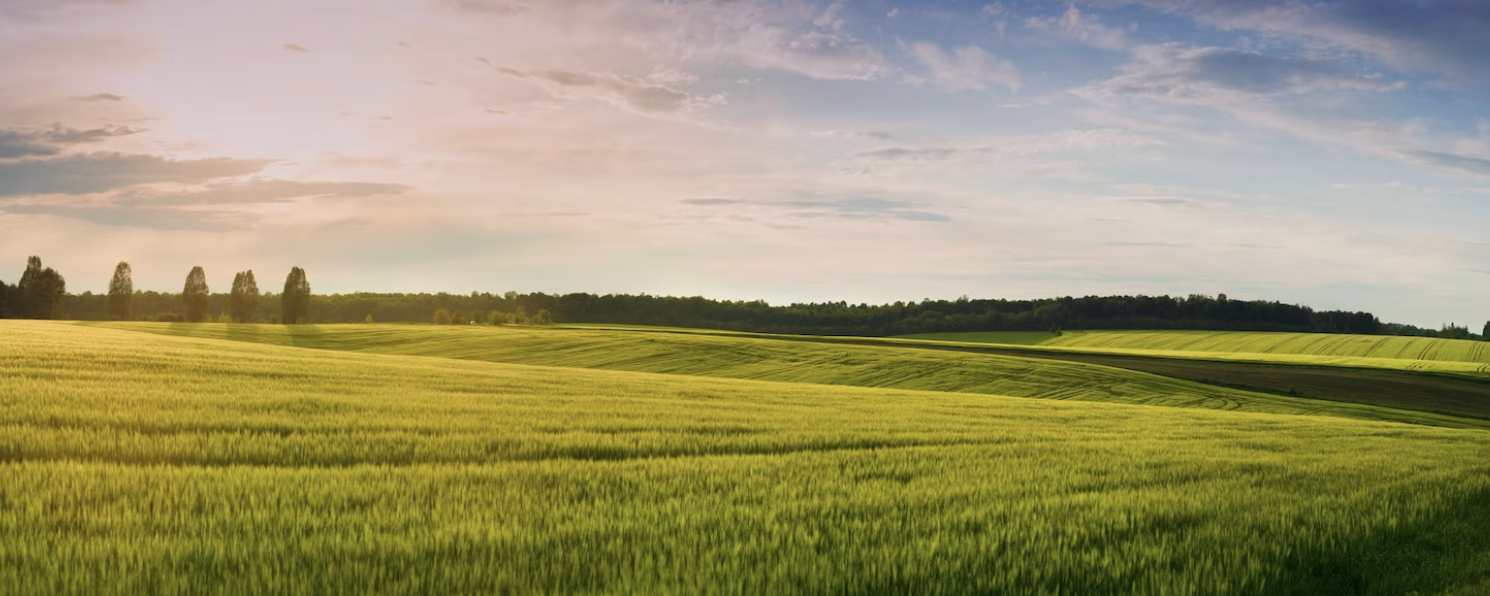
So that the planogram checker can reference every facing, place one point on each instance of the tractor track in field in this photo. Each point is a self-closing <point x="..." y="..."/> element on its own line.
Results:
<point x="1307" y="348"/>
<point x="1418" y="390"/>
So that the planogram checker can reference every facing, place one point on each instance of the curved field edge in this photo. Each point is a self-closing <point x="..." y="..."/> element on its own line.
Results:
<point x="153" y="464"/>
<point x="1023" y="338"/>
<point x="1374" y="347"/>
<point x="1474" y="370"/>
<point x="745" y="357"/>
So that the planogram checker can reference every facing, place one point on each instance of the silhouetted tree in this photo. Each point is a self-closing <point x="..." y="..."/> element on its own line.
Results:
<point x="1453" y="331"/>
<point x="41" y="291"/>
<point x="1485" y="336"/>
<point x="243" y="301"/>
<point x="5" y="296"/>
<point x="195" y="294"/>
<point x="294" y="303"/>
<point x="121" y="293"/>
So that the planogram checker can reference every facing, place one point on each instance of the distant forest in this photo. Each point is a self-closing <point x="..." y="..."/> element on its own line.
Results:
<point x="245" y="303"/>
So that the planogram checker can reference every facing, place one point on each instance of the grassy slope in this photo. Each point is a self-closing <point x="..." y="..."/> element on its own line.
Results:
<point x="1013" y="338"/>
<point x="151" y="464"/>
<point x="1455" y="395"/>
<point x="971" y="342"/>
<point x="744" y="357"/>
<point x="1426" y="349"/>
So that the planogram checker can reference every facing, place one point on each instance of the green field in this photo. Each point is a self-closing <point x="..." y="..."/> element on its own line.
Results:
<point x="759" y="358"/>
<point x="1018" y="338"/>
<point x="1430" y="349"/>
<point x="138" y="463"/>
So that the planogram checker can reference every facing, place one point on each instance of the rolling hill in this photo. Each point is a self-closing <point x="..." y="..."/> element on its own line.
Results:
<point x="1429" y="349"/>
<point x="147" y="463"/>
<point x="742" y="356"/>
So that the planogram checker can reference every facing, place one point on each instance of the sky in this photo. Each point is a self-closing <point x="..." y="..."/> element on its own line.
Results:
<point x="1335" y="154"/>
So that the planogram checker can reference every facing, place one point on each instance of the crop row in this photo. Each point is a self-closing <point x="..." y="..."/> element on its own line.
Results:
<point x="1315" y="344"/>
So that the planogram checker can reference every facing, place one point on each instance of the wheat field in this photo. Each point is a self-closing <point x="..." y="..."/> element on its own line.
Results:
<point x="147" y="464"/>
<point x="739" y="356"/>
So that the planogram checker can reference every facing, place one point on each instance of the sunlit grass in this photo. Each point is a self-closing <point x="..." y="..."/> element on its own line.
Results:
<point x="748" y="357"/>
<point x="1429" y="351"/>
<point x="1027" y="338"/>
<point x="137" y="464"/>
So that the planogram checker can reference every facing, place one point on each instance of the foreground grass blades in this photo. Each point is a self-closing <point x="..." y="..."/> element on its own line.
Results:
<point x="137" y="464"/>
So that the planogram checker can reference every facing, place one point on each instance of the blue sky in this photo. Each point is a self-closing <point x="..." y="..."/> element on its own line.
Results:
<point x="1332" y="154"/>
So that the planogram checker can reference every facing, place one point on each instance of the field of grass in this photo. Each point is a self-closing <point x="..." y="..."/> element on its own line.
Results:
<point x="1455" y="395"/>
<point x="756" y="358"/>
<point x="138" y="463"/>
<point x="1019" y="338"/>
<point x="1429" y="349"/>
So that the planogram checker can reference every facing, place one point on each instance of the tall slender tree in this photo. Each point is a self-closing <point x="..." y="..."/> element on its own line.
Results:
<point x="294" y="303"/>
<point x="5" y="296"/>
<point x="235" y="298"/>
<point x="1486" y="335"/>
<point x="195" y="294"/>
<point x="243" y="303"/>
<point x="41" y="291"/>
<point x="121" y="292"/>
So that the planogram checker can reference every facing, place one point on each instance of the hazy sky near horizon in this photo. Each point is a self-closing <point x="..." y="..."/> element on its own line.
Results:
<point x="1335" y="154"/>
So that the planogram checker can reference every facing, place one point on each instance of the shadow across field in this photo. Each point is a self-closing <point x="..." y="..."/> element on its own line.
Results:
<point x="1446" y="553"/>
<point x="1015" y="371"/>
<point x="1443" y="394"/>
<point x="1439" y="393"/>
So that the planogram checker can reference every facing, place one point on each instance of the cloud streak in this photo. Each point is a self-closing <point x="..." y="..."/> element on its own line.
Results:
<point x="100" y="172"/>
<point x="633" y="94"/>
<point x="99" y="97"/>
<point x="1202" y="74"/>
<point x="264" y="190"/>
<point x="852" y="208"/>
<point x="968" y="68"/>
<point x="17" y="144"/>
<point x="1446" y="37"/>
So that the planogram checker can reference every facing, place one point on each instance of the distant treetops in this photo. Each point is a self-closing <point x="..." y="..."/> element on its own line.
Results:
<point x="40" y="293"/>
<point x="518" y="316"/>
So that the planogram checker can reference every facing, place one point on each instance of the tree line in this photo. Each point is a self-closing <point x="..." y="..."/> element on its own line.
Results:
<point x="42" y="294"/>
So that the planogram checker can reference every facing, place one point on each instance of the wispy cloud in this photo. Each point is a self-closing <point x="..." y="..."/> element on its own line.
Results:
<point x="138" y="217"/>
<point x="854" y="135"/>
<point x="1083" y="27"/>
<point x="800" y="36"/>
<point x="857" y="208"/>
<point x="1479" y="166"/>
<point x="16" y="143"/>
<point x="1185" y="73"/>
<point x="99" y="172"/>
<point x="99" y="97"/>
<point x="1443" y="37"/>
<point x="262" y="190"/>
<point x="966" y="68"/>
<point x="1014" y="148"/>
<point x="634" y="94"/>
